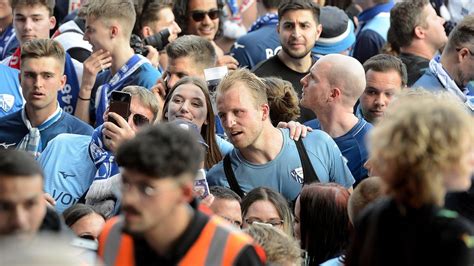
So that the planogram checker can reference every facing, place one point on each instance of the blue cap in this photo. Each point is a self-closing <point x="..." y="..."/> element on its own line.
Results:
<point x="338" y="32"/>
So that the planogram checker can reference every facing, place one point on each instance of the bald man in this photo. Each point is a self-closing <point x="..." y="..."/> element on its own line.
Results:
<point x="332" y="99"/>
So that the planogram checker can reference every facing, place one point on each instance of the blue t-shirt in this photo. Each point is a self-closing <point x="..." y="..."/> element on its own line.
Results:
<point x="66" y="180"/>
<point x="284" y="174"/>
<point x="11" y="99"/>
<point x="13" y="130"/>
<point x="145" y="75"/>
<point x="256" y="46"/>
<point x="224" y="146"/>
<point x="353" y="147"/>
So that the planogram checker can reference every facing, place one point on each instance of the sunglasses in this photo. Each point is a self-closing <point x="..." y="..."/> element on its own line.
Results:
<point x="140" y="120"/>
<point x="199" y="15"/>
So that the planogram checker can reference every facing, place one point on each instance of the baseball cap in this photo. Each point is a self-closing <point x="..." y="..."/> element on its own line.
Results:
<point x="189" y="126"/>
<point x="338" y="32"/>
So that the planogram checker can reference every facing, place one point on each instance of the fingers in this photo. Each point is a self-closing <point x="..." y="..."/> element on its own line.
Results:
<point x="153" y="55"/>
<point x="98" y="61"/>
<point x="228" y="61"/>
<point x="121" y="122"/>
<point x="159" y="89"/>
<point x="49" y="200"/>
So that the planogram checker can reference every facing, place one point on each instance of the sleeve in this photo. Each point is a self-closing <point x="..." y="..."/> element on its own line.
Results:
<point x="248" y="256"/>
<point x="216" y="176"/>
<point x="368" y="44"/>
<point x="337" y="165"/>
<point x="240" y="53"/>
<point x="459" y="243"/>
<point x="224" y="146"/>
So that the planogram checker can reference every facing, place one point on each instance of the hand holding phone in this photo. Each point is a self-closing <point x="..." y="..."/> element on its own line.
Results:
<point x="120" y="104"/>
<point x="200" y="184"/>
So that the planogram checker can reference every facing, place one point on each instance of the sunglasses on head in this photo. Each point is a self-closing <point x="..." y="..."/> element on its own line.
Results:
<point x="199" y="15"/>
<point x="140" y="120"/>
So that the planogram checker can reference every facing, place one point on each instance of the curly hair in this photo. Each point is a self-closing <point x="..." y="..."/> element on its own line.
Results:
<point x="279" y="247"/>
<point x="421" y="141"/>
<point x="181" y="13"/>
<point x="282" y="99"/>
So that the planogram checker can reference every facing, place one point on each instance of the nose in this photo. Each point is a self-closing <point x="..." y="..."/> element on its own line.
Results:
<point x="184" y="107"/>
<point x="19" y="220"/>
<point x="176" y="27"/>
<point x="86" y="37"/>
<point x="130" y="195"/>
<point x="229" y="121"/>
<point x="303" y="81"/>
<point x="381" y="100"/>
<point x="38" y="81"/>
<point x="28" y="24"/>
<point x="172" y="79"/>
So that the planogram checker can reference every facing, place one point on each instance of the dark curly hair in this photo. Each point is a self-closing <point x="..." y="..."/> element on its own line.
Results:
<point x="180" y="11"/>
<point x="163" y="150"/>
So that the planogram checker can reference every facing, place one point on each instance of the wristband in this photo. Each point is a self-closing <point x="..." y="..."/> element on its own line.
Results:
<point x="84" y="99"/>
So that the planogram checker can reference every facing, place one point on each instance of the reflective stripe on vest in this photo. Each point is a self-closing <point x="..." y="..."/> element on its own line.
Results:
<point x="217" y="244"/>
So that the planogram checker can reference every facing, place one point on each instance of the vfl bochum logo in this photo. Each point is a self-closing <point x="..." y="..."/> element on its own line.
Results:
<point x="6" y="102"/>
<point x="297" y="175"/>
<point x="66" y="175"/>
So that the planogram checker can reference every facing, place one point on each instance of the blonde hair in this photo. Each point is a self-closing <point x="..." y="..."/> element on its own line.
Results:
<point x="279" y="247"/>
<point x="146" y="98"/>
<point x="121" y="10"/>
<point x="253" y="84"/>
<point x="420" y="140"/>
<point x="38" y="48"/>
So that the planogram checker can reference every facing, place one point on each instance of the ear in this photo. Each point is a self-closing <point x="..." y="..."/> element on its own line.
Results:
<point x="146" y="31"/>
<point x="265" y="111"/>
<point x="114" y="31"/>
<point x="463" y="54"/>
<point x="187" y="191"/>
<point x="52" y="22"/>
<point x="319" y="29"/>
<point x="335" y="94"/>
<point x="63" y="82"/>
<point x="419" y="32"/>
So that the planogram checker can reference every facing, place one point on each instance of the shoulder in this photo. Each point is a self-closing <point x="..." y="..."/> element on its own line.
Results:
<point x="265" y="66"/>
<point x="146" y="75"/>
<point x="77" y="126"/>
<point x="428" y="81"/>
<point x="11" y="119"/>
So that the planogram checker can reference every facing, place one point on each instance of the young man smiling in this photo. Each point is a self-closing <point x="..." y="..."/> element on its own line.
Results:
<point x="299" y="29"/>
<point x="109" y="25"/>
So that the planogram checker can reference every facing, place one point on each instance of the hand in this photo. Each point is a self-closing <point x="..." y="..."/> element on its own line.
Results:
<point x="229" y="61"/>
<point x="208" y="200"/>
<point x="96" y="62"/>
<point x="297" y="130"/>
<point x="49" y="200"/>
<point x="153" y="55"/>
<point x="114" y="135"/>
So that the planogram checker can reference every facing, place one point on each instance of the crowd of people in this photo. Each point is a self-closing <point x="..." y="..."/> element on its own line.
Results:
<point x="236" y="132"/>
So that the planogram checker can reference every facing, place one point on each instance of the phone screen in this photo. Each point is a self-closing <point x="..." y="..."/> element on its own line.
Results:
<point x="120" y="104"/>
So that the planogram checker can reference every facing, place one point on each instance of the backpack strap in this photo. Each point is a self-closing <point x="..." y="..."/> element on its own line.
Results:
<point x="229" y="174"/>
<point x="309" y="174"/>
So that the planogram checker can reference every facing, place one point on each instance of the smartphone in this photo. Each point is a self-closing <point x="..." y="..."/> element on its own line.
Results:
<point x="200" y="184"/>
<point x="120" y="104"/>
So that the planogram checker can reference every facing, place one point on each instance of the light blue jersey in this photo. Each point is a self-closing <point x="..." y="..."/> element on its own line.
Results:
<point x="68" y="169"/>
<point x="284" y="174"/>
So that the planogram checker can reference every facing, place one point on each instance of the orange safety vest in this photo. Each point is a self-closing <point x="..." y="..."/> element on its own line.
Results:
<point x="217" y="244"/>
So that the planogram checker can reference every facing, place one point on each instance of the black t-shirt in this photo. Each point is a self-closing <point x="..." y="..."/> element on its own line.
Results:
<point x="388" y="233"/>
<point x="145" y="255"/>
<point x="462" y="202"/>
<point x="276" y="68"/>
<point x="416" y="66"/>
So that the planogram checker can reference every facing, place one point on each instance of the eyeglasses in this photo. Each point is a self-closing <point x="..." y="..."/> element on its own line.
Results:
<point x="272" y="222"/>
<point x="140" y="120"/>
<point x="199" y="15"/>
<point x="234" y="222"/>
<point x="470" y="52"/>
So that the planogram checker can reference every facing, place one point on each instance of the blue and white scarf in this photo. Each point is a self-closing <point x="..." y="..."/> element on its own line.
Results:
<point x="31" y="142"/>
<point x="366" y="15"/>
<point x="67" y="96"/>
<point x="103" y="159"/>
<point x="267" y="19"/>
<point x="115" y="83"/>
<point x="448" y="83"/>
<point x="7" y="37"/>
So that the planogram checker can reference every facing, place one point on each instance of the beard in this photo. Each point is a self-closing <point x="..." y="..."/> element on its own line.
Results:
<point x="295" y="55"/>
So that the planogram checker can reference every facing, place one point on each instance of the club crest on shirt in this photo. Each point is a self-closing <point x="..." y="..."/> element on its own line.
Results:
<point x="297" y="175"/>
<point x="6" y="102"/>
